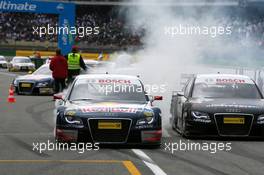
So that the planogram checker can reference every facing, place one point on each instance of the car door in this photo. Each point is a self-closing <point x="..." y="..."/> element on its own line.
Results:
<point x="182" y="98"/>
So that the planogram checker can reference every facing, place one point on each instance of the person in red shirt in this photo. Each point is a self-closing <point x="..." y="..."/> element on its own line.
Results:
<point x="59" y="68"/>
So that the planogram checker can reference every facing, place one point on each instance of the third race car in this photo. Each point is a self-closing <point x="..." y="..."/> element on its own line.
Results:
<point x="219" y="105"/>
<point x="38" y="83"/>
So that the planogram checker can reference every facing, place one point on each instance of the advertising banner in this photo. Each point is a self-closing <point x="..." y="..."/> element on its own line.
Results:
<point x="65" y="11"/>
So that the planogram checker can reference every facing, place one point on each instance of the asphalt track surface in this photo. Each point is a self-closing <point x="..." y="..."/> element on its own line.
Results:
<point x="30" y="120"/>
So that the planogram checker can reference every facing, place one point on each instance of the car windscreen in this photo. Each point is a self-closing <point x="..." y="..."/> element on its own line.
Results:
<point x="43" y="71"/>
<point x="226" y="90"/>
<point x="2" y="59"/>
<point x="91" y="65"/>
<point x="108" y="90"/>
<point x="22" y="60"/>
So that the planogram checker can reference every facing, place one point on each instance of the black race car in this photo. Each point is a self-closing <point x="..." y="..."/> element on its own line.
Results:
<point x="219" y="105"/>
<point x="107" y="109"/>
<point x="38" y="83"/>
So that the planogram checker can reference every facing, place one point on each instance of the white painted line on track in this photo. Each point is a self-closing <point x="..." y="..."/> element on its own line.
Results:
<point x="149" y="162"/>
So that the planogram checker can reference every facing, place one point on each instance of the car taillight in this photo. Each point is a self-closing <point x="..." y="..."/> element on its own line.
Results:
<point x="151" y="136"/>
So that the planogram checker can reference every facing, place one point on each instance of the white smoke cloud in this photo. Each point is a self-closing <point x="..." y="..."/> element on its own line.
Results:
<point x="164" y="58"/>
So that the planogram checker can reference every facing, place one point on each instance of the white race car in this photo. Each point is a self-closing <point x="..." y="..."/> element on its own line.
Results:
<point x="21" y="64"/>
<point x="94" y="66"/>
<point x="3" y="62"/>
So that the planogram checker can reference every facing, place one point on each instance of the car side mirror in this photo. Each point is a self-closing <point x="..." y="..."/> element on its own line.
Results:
<point x="58" y="96"/>
<point x="157" y="98"/>
<point x="180" y="94"/>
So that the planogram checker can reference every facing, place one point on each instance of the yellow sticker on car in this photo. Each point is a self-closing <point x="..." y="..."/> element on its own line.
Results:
<point x="234" y="120"/>
<point x="109" y="125"/>
<point x="26" y="85"/>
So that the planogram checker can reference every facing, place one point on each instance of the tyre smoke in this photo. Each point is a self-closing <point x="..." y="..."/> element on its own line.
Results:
<point x="169" y="53"/>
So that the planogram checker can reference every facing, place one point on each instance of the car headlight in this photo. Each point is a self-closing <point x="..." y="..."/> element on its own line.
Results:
<point x="15" y="82"/>
<point x="42" y="84"/>
<point x="146" y="120"/>
<point x="260" y="119"/>
<point x="148" y="117"/>
<point x="73" y="120"/>
<point x="200" y="115"/>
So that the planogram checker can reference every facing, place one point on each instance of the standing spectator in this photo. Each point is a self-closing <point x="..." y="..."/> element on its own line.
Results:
<point x="75" y="63"/>
<point x="59" y="68"/>
<point x="37" y="54"/>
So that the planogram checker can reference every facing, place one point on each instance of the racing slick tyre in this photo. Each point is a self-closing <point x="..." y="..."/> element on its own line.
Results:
<point x="56" y="137"/>
<point x="154" y="146"/>
<point x="17" y="91"/>
<point x="174" y="123"/>
<point x="184" y="132"/>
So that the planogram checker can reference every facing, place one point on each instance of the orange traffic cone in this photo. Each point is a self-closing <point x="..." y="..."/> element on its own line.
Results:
<point x="11" y="97"/>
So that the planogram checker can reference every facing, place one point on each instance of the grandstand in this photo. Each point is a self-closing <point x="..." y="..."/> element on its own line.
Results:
<point x="115" y="32"/>
<point x="155" y="2"/>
